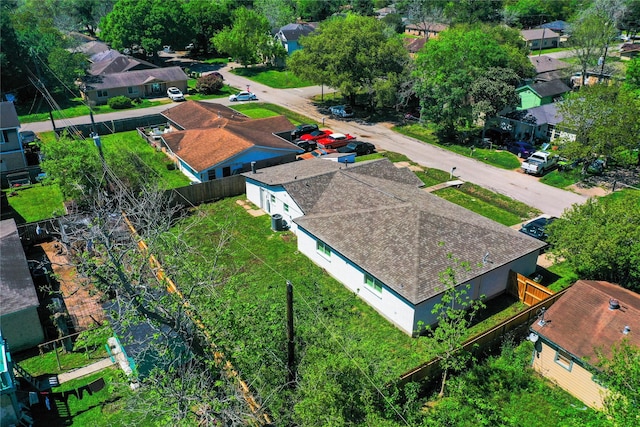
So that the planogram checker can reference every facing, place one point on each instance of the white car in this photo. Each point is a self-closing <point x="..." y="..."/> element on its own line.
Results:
<point x="175" y="94"/>
<point x="243" y="96"/>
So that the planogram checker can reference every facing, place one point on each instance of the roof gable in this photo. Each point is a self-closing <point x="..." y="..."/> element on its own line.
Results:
<point x="134" y="78"/>
<point x="545" y="63"/>
<point x="581" y="320"/>
<point x="8" y="116"/>
<point x="538" y="33"/>
<point x="546" y="89"/>
<point x="196" y="114"/>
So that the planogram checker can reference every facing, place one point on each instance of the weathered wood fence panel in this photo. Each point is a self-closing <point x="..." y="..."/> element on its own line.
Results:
<point x="527" y="290"/>
<point x="485" y="341"/>
<point x="114" y="126"/>
<point x="208" y="191"/>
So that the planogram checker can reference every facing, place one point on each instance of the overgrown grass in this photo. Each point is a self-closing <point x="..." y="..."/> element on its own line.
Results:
<point x="193" y="95"/>
<point x="276" y="78"/>
<point x="155" y="162"/>
<point x="566" y="274"/>
<point x="497" y="158"/>
<point x="76" y="108"/>
<point x="36" y="202"/>
<point x="495" y="206"/>
<point x="562" y="179"/>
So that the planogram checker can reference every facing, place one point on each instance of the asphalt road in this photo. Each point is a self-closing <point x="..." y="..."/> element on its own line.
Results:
<point x="525" y="188"/>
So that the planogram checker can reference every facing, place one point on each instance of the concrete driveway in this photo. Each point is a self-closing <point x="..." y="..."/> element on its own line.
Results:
<point x="525" y="188"/>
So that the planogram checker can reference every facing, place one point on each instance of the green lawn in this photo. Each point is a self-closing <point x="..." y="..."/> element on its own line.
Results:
<point x="76" y="108"/>
<point x="258" y="110"/>
<point x="156" y="163"/>
<point x="497" y="158"/>
<point x="36" y="202"/>
<point x="276" y="78"/>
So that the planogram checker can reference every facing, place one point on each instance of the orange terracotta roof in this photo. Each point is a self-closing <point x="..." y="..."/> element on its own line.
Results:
<point x="581" y="321"/>
<point x="203" y="148"/>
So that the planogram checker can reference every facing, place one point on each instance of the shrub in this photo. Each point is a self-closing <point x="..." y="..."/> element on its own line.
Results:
<point x="119" y="102"/>
<point x="209" y="84"/>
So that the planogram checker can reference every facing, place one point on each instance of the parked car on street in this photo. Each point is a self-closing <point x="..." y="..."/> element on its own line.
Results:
<point x="243" y="96"/>
<point x="539" y="163"/>
<point x="316" y="153"/>
<point x="28" y="136"/>
<point x="175" y="94"/>
<point x="537" y="228"/>
<point x="361" y="148"/>
<point x="335" y="140"/>
<point x="521" y="149"/>
<point x="316" y="135"/>
<point x="303" y="129"/>
<point x="343" y="111"/>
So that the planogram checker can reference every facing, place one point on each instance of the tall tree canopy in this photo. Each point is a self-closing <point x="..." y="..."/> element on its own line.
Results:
<point x="605" y="120"/>
<point x="447" y="67"/>
<point x="600" y="239"/>
<point x="249" y="39"/>
<point x="352" y="54"/>
<point x="146" y="23"/>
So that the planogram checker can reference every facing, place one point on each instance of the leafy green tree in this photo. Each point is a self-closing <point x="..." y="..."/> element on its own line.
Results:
<point x="366" y="55"/>
<point x="313" y="10"/>
<point x="620" y="373"/>
<point x="68" y="67"/>
<point x="455" y="312"/>
<point x="248" y="40"/>
<point x="394" y="21"/>
<point x="74" y="165"/>
<point x="600" y="239"/>
<point x="630" y="21"/>
<point x="632" y="80"/>
<point x="85" y="14"/>
<point x="493" y="91"/>
<point x="209" y="84"/>
<point x="605" y="121"/>
<point x="146" y="23"/>
<point x="591" y="32"/>
<point x="472" y="11"/>
<point x="206" y="18"/>
<point x="278" y="12"/>
<point x="447" y="67"/>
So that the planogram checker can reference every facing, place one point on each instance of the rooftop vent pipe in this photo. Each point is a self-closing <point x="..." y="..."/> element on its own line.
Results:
<point x="614" y="304"/>
<point x="626" y="330"/>
<point x="253" y="167"/>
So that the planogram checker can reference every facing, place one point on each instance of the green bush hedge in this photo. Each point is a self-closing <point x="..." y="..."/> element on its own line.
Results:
<point x="120" y="102"/>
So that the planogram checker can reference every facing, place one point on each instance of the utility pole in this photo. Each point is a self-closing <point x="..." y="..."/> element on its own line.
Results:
<point x="290" y="337"/>
<point x="602" y="60"/>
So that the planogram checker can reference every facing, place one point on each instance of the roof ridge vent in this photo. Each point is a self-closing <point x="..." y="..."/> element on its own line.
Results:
<point x="614" y="304"/>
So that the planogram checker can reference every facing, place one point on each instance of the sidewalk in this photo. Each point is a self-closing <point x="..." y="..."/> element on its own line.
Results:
<point x="87" y="370"/>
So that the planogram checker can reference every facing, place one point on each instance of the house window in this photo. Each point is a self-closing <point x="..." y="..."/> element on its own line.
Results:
<point x="5" y="136"/>
<point x="211" y="174"/>
<point x="323" y="248"/>
<point x="372" y="282"/>
<point x="273" y="198"/>
<point x="563" y="359"/>
<point x="102" y="93"/>
<point x="286" y="207"/>
<point x="132" y="90"/>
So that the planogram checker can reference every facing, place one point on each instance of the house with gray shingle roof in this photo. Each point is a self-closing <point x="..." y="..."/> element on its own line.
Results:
<point x="145" y="83"/>
<point x="373" y="228"/>
<point x="534" y="95"/>
<point x="211" y="141"/>
<point x="289" y="35"/>
<point x="18" y="299"/>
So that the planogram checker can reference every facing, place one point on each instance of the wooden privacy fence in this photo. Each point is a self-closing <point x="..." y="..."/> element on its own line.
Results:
<point x="484" y="341"/>
<point x="527" y="290"/>
<point x="208" y="191"/>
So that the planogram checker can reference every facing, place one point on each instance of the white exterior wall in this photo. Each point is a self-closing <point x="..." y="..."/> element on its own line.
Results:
<point x="389" y="304"/>
<point x="272" y="199"/>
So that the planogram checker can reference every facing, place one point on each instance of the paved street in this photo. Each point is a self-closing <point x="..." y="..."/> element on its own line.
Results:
<point x="527" y="189"/>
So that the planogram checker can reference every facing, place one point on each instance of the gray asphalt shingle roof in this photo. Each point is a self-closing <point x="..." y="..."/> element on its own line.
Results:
<point x="8" y="116"/>
<point x="17" y="291"/>
<point x="135" y="78"/>
<point x="375" y="215"/>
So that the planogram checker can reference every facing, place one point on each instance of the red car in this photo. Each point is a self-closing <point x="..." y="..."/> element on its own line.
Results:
<point x="316" y="135"/>
<point x="335" y="140"/>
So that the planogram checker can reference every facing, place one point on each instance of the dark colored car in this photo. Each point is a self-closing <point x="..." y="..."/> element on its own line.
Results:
<point x="521" y="149"/>
<point x="303" y="130"/>
<point x="28" y="136"/>
<point x="306" y="145"/>
<point x="359" y="147"/>
<point x="537" y="228"/>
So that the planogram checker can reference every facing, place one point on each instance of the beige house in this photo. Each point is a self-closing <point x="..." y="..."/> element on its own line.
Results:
<point x="425" y="29"/>
<point x="541" y="38"/>
<point x="590" y="315"/>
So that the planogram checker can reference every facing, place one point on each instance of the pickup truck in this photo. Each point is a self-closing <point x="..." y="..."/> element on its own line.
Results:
<point x="539" y="162"/>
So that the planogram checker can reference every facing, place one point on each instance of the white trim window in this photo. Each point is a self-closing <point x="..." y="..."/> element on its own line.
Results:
<point x="563" y="359"/>
<point x="101" y="93"/>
